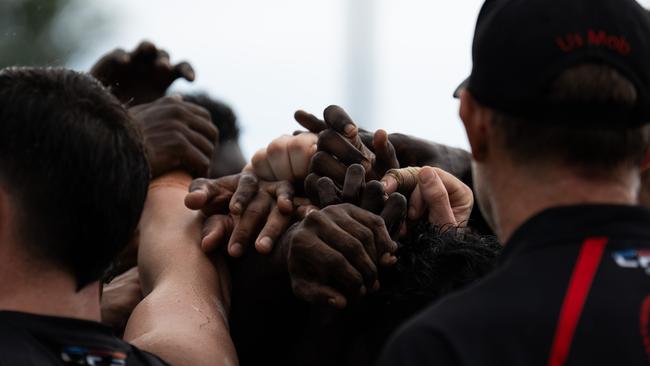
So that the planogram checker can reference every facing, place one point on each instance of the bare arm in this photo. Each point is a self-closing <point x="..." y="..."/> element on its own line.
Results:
<point x="182" y="318"/>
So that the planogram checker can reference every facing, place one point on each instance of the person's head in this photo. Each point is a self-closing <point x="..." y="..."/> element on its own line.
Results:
<point x="433" y="262"/>
<point x="73" y="174"/>
<point x="564" y="97"/>
<point x="227" y="158"/>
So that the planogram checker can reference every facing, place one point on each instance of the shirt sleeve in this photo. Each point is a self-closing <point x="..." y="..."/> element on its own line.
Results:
<point x="416" y="344"/>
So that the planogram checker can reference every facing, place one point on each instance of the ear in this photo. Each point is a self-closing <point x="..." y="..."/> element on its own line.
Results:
<point x="476" y="119"/>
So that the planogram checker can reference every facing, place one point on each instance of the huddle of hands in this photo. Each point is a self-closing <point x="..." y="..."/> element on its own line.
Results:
<point x="327" y="205"/>
<point x="320" y="205"/>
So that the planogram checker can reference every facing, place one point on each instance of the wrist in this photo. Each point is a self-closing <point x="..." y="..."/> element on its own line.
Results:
<point x="175" y="179"/>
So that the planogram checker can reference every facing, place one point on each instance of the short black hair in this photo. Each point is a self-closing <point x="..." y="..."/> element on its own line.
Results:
<point x="222" y="115"/>
<point x="74" y="166"/>
<point x="592" y="149"/>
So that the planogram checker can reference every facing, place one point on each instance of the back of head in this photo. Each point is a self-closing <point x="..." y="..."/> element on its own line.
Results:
<point x="74" y="167"/>
<point x="568" y="80"/>
<point x="590" y="149"/>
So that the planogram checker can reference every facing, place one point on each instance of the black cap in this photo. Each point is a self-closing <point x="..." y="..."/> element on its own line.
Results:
<point x="521" y="46"/>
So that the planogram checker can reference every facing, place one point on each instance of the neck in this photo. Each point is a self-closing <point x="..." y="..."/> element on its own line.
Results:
<point x="45" y="292"/>
<point x="545" y="188"/>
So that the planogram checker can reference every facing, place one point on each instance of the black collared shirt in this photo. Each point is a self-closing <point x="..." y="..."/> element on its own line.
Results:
<point x="572" y="287"/>
<point x="28" y="339"/>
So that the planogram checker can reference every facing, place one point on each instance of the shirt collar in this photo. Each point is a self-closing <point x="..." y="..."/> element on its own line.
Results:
<point x="570" y="224"/>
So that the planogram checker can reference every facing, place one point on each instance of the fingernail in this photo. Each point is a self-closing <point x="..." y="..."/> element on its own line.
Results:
<point x="265" y="244"/>
<point x="426" y="175"/>
<point x="349" y="129"/>
<point x="236" y="208"/>
<point x="332" y="302"/>
<point x="363" y="290"/>
<point x="236" y="250"/>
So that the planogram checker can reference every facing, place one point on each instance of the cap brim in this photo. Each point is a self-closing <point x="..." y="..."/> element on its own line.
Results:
<point x="460" y="87"/>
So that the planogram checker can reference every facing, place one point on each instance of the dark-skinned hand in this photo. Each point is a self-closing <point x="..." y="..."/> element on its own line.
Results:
<point x="176" y="134"/>
<point x="409" y="150"/>
<point x="333" y="254"/>
<point x="242" y="210"/>
<point x="340" y="145"/>
<point x="140" y="76"/>
<point x="370" y="196"/>
<point x="343" y="241"/>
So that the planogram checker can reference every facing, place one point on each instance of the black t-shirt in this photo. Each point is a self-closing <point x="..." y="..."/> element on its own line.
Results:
<point x="28" y="339"/>
<point x="572" y="288"/>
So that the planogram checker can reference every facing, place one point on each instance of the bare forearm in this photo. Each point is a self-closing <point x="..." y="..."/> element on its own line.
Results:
<point x="182" y="318"/>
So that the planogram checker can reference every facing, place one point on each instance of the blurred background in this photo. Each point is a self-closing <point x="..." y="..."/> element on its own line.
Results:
<point x="390" y="64"/>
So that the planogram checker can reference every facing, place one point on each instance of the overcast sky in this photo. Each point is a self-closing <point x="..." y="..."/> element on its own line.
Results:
<point x="393" y="64"/>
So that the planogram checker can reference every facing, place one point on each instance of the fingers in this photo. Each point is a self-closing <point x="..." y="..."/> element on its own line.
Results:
<point x="261" y="166"/>
<point x="372" y="198"/>
<point x="278" y="157"/>
<point x="161" y="63"/>
<point x="303" y="210"/>
<point x="247" y="188"/>
<point x="360" y="252"/>
<point x="215" y="232"/>
<point x="355" y="182"/>
<point x="316" y="293"/>
<point x="275" y="226"/>
<point x="325" y="165"/>
<point x="385" y="156"/>
<point x="384" y="245"/>
<point x="301" y="149"/>
<point x="337" y="119"/>
<point x="196" y="161"/>
<point x="249" y="224"/>
<point x="284" y="193"/>
<point x="199" y="141"/>
<point x="201" y="121"/>
<point x="311" y="254"/>
<point x="338" y="146"/>
<point x="109" y="64"/>
<point x="311" y="187"/>
<point x="145" y="52"/>
<point x="204" y="193"/>
<point x="431" y="194"/>
<point x="390" y="184"/>
<point x="394" y="212"/>
<point x="184" y="70"/>
<point x="309" y="121"/>
<point x="328" y="192"/>
<point x="461" y="197"/>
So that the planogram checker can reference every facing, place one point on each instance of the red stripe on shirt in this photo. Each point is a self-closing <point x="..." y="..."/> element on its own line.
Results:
<point x="645" y="325"/>
<point x="574" y="300"/>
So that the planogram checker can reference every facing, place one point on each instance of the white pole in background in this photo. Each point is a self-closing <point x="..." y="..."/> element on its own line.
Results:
<point x="360" y="61"/>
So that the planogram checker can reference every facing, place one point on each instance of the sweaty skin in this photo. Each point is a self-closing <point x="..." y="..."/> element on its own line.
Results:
<point x="183" y="317"/>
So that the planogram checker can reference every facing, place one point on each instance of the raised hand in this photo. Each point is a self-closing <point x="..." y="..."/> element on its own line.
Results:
<point x="140" y="76"/>
<point x="176" y="134"/>
<point x="342" y="142"/>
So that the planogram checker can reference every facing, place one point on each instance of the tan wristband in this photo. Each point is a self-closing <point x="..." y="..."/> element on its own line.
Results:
<point x="407" y="178"/>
